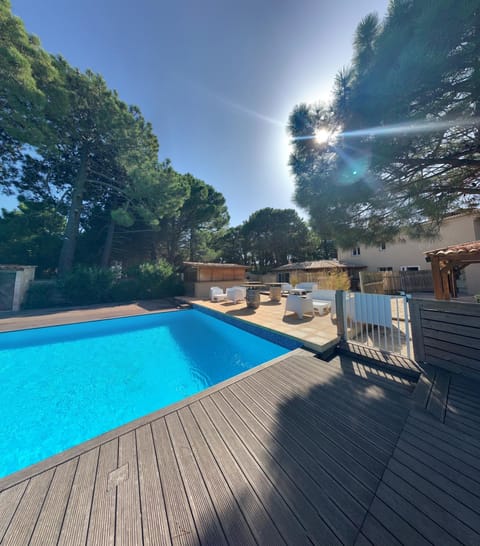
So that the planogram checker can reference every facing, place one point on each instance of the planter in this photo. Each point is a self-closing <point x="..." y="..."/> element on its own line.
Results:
<point x="477" y="298"/>
<point x="253" y="298"/>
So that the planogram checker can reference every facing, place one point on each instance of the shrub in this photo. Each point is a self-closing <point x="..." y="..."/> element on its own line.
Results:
<point x="42" y="294"/>
<point x="157" y="280"/>
<point x="125" y="290"/>
<point x="85" y="285"/>
<point x="336" y="280"/>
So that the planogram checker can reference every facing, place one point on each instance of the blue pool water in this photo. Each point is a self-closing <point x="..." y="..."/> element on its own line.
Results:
<point x="64" y="385"/>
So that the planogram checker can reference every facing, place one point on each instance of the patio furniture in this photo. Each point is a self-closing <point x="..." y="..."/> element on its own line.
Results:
<point x="307" y="286"/>
<point x="217" y="294"/>
<point x="286" y="287"/>
<point x="299" y="305"/>
<point x="297" y="291"/>
<point x="322" y="307"/>
<point x="323" y="296"/>
<point x="236" y="293"/>
<point x="275" y="291"/>
<point x="253" y="297"/>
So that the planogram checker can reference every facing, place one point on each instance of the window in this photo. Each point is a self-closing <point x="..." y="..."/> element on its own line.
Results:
<point x="356" y="251"/>
<point x="382" y="246"/>
<point x="385" y="268"/>
<point x="284" y="277"/>
<point x="409" y="268"/>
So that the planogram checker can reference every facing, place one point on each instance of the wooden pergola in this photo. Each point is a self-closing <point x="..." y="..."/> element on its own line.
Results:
<point x="447" y="263"/>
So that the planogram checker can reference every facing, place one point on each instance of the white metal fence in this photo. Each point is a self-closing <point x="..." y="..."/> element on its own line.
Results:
<point x="378" y="321"/>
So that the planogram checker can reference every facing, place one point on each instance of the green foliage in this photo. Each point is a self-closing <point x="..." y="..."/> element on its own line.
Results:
<point x="85" y="285"/>
<point x="404" y="127"/>
<point x="157" y="280"/>
<point x="273" y="236"/>
<point x="32" y="235"/>
<point x="41" y="295"/>
<point x="67" y="139"/>
<point x="125" y="290"/>
<point x="190" y="233"/>
<point x="31" y="87"/>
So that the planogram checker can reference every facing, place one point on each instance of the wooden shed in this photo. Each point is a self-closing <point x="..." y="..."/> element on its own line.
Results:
<point x="199" y="277"/>
<point x="311" y="271"/>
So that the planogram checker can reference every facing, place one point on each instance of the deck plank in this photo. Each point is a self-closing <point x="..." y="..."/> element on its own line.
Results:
<point x="346" y="509"/>
<point x="284" y="519"/>
<point x="351" y="389"/>
<point x="449" y="485"/>
<point x="403" y="519"/>
<point x="228" y="510"/>
<point x="338" y="414"/>
<point x="453" y="468"/>
<point x="203" y="511"/>
<point x="346" y="439"/>
<point x="77" y="516"/>
<point x="128" y="520"/>
<point x="154" y="516"/>
<point x="49" y="524"/>
<point x="253" y="510"/>
<point x="101" y="530"/>
<point x="9" y="501"/>
<point x="430" y="513"/>
<point x="294" y="461"/>
<point x="333" y="457"/>
<point x="25" y="517"/>
<point x="283" y="482"/>
<point x="374" y="531"/>
<point x="179" y="515"/>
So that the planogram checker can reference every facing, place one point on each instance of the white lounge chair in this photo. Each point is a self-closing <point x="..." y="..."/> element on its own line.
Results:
<point x="299" y="305"/>
<point x="236" y="293"/>
<point x="217" y="294"/>
<point x="286" y="287"/>
<point x="306" y="286"/>
<point x="323" y="301"/>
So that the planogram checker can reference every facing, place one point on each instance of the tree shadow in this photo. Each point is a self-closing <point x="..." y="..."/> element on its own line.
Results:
<point x="292" y="318"/>
<point x="312" y="440"/>
<point x="243" y="312"/>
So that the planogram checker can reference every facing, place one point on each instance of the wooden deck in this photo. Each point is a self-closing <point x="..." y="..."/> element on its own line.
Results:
<point x="299" y="451"/>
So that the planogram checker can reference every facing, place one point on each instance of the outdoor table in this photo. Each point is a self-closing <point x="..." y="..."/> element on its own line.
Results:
<point x="253" y="294"/>
<point x="275" y="291"/>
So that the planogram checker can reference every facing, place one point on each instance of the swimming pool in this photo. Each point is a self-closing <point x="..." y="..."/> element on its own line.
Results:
<point x="63" y="385"/>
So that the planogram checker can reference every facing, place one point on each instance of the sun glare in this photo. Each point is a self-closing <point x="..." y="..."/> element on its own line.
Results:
<point x="322" y="136"/>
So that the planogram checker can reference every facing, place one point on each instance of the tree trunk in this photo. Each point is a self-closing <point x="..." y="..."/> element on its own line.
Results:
<point x="107" y="248"/>
<point x="67" y="253"/>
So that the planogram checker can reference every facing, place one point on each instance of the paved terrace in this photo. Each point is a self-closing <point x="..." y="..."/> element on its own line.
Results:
<point x="316" y="333"/>
<point x="297" y="451"/>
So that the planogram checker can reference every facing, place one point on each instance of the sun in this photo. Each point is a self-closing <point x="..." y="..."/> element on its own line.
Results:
<point x="322" y="136"/>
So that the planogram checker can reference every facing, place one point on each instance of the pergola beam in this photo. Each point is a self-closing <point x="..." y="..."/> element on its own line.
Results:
<point x="445" y="261"/>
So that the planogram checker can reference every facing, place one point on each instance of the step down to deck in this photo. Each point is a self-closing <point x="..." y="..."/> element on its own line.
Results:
<point x="392" y="362"/>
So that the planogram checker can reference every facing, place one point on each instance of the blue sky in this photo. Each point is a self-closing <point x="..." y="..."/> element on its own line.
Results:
<point x="216" y="78"/>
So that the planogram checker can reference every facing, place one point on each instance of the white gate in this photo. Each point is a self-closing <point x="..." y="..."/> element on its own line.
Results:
<point x="378" y="321"/>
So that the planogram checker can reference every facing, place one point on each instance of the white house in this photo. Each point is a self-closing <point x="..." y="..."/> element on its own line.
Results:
<point x="406" y="254"/>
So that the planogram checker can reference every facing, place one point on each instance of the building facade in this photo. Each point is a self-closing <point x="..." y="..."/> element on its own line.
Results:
<point x="406" y="254"/>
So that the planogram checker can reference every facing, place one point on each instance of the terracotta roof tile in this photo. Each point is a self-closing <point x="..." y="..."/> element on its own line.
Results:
<point x="460" y="250"/>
